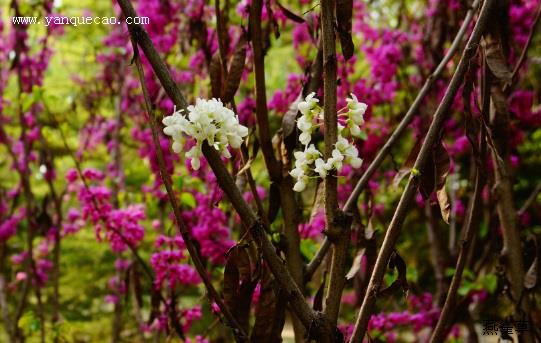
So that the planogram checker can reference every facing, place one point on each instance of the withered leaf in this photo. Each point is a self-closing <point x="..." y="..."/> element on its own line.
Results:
<point x="318" y="298"/>
<point x="427" y="179"/>
<point x="215" y="73"/>
<point x="238" y="285"/>
<point x="356" y="265"/>
<point x="410" y="161"/>
<point x="496" y="60"/>
<point x="274" y="202"/>
<point x="235" y="71"/>
<point x="269" y="312"/>
<point x="396" y="261"/>
<point x="388" y="291"/>
<point x="530" y="278"/>
<point x="289" y="14"/>
<point x="441" y="164"/>
<point x="344" y="13"/>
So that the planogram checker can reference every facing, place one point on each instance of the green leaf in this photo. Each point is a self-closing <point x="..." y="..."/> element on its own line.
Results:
<point x="490" y="283"/>
<point x="466" y="287"/>
<point x="308" y="248"/>
<point x="188" y="199"/>
<point x="449" y="272"/>
<point x="29" y="323"/>
<point x="362" y="135"/>
<point x="483" y="230"/>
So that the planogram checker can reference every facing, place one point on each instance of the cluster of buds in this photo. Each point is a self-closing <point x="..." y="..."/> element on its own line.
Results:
<point x="309" y="163"/>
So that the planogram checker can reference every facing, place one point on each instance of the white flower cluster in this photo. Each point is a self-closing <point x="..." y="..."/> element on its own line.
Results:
<point x="208" y="120"/>
<point x="310" y="162"/>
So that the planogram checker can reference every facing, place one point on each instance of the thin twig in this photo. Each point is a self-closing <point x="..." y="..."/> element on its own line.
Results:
<point x="530" y="201"/>
<point x="316" y="261"/>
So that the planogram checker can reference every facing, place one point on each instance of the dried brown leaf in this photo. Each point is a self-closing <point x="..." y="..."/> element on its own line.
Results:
<point x="235" y="71"/>
<point x="442" y="164"/>
<point x="269" y="313"/>
<point x="344" y="13"/>
<point x="530" y="278"/>
<point x="356" y="265"/>
<point x="496" y="60"/>
<point x="215" y="72"/>
<point x="294" y="17"/>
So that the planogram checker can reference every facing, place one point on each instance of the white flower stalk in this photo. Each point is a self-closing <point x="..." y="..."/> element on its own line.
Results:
<point x="310" y="111"/>
<point x="355" y="115"/>
<point x="208" y="120"/>
<point x="308" y="163"/>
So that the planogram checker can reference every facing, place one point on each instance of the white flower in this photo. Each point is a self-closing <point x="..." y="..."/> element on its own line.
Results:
<point x="309" y="161"/>
<point x="341" y="144"/>
<point x="305" y="138"/>
<point x="354" y="129"/>
<point x="356" y="109"/>
<point x="304" y="124"/>
<point x="207" y="120"/>
<point x="177" y="147"/>
<point x="297" y="173"/>
<point x="356" y="162"/>
<point x="321" y="168"/>
<point x="308" y="104"/>
<point x="351" y="156"/>
<point x="300" y="185"/>
<point x="335" y="162"/>
<point x="311" y="153"/>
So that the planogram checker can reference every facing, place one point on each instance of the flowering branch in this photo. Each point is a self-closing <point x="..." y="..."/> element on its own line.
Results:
<point x="309" y="318"/>
<point x="393" y="231"/>
<point x="338" y="234"/>
<point x="351" y="202"/>
<point x="240" y="335"/>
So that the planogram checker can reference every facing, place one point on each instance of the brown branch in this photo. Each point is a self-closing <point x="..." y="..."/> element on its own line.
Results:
<point x="393" y="231"/>
<point x="265" y="139"/>
<point x="531" y="200"/>
<point x="337" y="229"/>
<point x="471" y="226"/>
<point x="511" y="253"/>
<point x="316" y="261"/>
<point x="308" y="317"/>
<point x="438" y="254"/>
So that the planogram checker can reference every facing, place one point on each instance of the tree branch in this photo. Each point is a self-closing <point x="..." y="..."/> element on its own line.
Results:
<point x="337" y="229"/>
